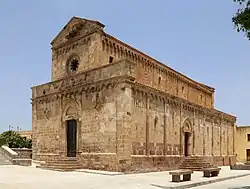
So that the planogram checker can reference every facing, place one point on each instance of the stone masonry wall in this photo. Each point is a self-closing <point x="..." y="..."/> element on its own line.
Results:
<point x="96" y="48"/>
<point x="154" y="74"/>
<point x="157" y="130"/>
<point x="46" y="127"/>
<point x="131" y="114"/>
<point x="87" y="49"/>
<point x="99" y="103"/>
<point x="23" y="153"/>
<point x="85" y="44"/>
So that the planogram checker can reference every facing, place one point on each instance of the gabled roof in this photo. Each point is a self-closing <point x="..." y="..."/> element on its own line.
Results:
<point x="73" y="19"/>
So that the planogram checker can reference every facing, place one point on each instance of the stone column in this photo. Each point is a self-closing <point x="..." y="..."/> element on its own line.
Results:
<point x="193" y="129"/>
<point x="123" y="126"/>
<point x="34" y="128"/>
<point x="212" y="137"/>
<point x="63" y="138"/>
<point x="193" y="142"/>
<point x="220" y="138"/>
<point x="164" y="130"/>
<point x="147" y="127"/>
<point x="181" y="134"/>
<point x="79" y="139"/>
<point x="204" y="134"/>
<point x="204" y="131"/>
<point x="227" y="141"/>
<point x="234" y="139"/>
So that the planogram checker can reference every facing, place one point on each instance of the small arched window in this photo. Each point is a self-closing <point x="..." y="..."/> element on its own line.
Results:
<point x="159" y="80"/>
<point x="156" y="122"/>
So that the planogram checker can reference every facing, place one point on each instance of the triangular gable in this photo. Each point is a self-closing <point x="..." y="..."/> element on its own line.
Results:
<point x="76" y="27"/>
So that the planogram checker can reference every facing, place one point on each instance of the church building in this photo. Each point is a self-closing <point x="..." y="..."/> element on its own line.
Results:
<point x="109" y="106"/>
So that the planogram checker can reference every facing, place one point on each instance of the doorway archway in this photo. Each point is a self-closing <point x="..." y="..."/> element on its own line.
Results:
<point x="71" y="132"/>
<point x="187" y="134"/>
<point x="71" y="137"/>
<point x="186" y="143"/>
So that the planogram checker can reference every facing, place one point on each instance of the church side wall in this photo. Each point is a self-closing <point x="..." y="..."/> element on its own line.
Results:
<point x="95" y="50"/>
<point x="157" y="76"/>
<point x="157" y="135"/>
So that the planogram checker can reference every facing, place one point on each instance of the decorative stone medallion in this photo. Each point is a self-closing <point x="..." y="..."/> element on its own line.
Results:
<point x="73" y="64"/>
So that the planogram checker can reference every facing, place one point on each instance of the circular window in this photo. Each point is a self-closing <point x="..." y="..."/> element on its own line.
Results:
<point x="73" y="64"/>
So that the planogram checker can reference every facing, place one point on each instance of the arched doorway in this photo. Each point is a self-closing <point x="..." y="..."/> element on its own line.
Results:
<point x="71" y="137"/>
<point x="71" y="134"/>
<point x="186" y="143"/>
<point x="187" y="133"/>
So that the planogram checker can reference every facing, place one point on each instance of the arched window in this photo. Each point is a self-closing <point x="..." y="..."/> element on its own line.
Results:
<point x="156" y="122"/>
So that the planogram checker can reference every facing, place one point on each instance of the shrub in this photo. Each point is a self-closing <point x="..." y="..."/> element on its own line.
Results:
<point x="14" y="140"/>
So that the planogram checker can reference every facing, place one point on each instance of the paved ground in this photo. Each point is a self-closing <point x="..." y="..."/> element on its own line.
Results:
<point x="17" y="177"/>
<point x="239" y="183"/>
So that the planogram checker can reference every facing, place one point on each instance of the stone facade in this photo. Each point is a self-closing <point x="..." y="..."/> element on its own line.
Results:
<point x="132" y="112"/>
<point x="242" y="143"/>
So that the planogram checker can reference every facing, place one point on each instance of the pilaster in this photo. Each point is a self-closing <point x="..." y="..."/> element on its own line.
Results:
<point x="123" y="125"/>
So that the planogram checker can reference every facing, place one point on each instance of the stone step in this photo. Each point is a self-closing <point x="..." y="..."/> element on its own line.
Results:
<point x="4" y="160"/>
<point x="199" y="164"/>
<point x="193" y="168"/>
<point x="58" y="169"/>
<point x="190" y="167"/>
<point x="62" y="165"/>
<point x="195" y="163"/>
<point x="62" y="162"/>
<point x="194" y="157"/>
<point x="71" y="160"/>
<point x="192" y="160"/>
<point x="196" y="166"/>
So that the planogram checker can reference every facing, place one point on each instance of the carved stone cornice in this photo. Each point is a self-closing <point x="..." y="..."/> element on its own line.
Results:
<point x="66" y="47"/>
<point x="74" y="30"/>
<point x="122" y="69"/>
<point x="87" y="88"/>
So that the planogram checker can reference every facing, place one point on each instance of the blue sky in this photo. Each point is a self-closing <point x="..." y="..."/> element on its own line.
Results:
<point x="194" y="37"/>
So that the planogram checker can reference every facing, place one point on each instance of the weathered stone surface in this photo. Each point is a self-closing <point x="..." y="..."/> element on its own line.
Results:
<point x="132" y="112"/>
<point x="242" y="143"/>
<point x="23" y="153"/>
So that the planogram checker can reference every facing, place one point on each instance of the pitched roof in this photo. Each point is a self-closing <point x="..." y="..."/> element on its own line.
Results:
<point x="76" y="18"/>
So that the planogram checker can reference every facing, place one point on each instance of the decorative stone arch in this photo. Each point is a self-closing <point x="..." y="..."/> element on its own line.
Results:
<point x="71" y="112"/>
<point x="187" y="126"/>
<point x="186" y="137"/>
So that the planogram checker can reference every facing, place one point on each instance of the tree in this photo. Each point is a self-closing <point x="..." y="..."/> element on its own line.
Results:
<point x="241" y="19"/>
<point x="13" y="140"/>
